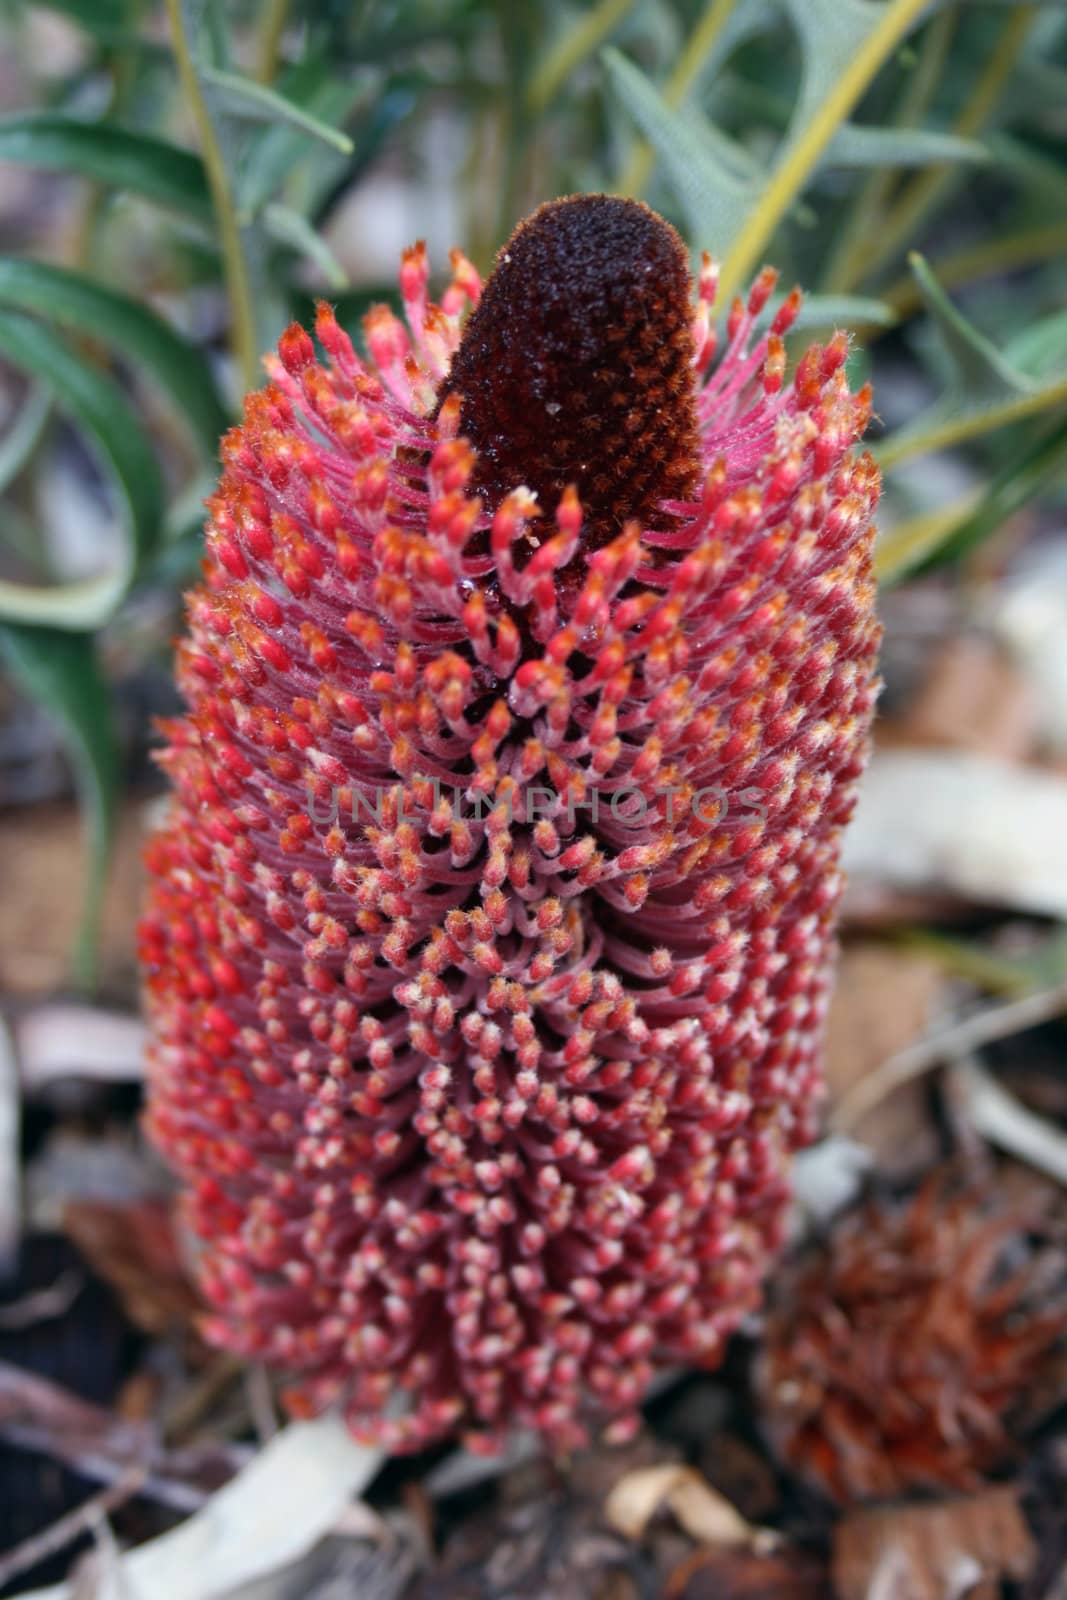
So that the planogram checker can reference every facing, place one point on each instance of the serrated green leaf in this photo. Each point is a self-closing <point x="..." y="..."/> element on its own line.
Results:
<point x="97" y="403"/>
<point x="273" y="151"/>
<point x="20" y="440"/>
<point x="113" y="156"/>
<point x="854" y="145"/>
<point x="707" y="171"/>
<point x="983" y="389"/>
<point x="843" y="44"/>
<point x="60" y="670"/>
<point x="242" y="97"/>
<point x="77" y="302"/>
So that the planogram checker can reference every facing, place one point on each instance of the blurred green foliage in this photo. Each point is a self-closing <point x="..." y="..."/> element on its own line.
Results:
<point x="903" y="161"/>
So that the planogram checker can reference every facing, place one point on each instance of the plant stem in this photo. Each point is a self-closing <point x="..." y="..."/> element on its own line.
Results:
<point x="238" y="288"/>
<point x="698" y="46"/>
<point x="925" y="190"/>
<point x="789" y="177"/>
<point x="970" y="425"/>
<point x="272" y="31"/>
<point x="850" y="251"/>
<point x="577" y="43"/>
<point x="980" y="261"/>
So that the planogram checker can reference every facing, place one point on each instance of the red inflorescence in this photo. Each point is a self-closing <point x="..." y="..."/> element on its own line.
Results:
<point x="490" y="931"/>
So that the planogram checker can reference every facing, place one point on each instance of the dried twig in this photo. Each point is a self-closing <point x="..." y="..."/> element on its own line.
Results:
<point x="1000" y="1118"/>
<point x="40" y="1415"/>
<point x="945" y="1044"/>
<point x="42" y="1305"/>
<point x="284" y="1502"/>
<point x="10" y="1182"/>
<point x="39" y="1546"/>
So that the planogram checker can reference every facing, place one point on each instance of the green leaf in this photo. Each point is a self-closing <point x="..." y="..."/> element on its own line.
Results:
<point x="984" y="389"/>
<point x="591" y="26"/>
<point x="106" y="20"/>
<point x="290" y="228"/>
<point x="273" y="151"/>
<point x="843" y="45"/>
<point x="242" y="97"/>
<point x="20" y="440"/>
<point x="97" y="403"/>
<point x="841" y="311"/>
<point x="1027" y="475"/>
<point x="61" y="671"/>
<point x="77" y="302"/>
<point x="976" y="368"/>
<point x="707" y="171"/>
<point x="854" y="145"/>
<point x="1041" y="349"/>
<point x="113" y="156"/>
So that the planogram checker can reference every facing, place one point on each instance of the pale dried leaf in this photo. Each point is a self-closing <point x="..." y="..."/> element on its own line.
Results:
<point x="63" y="1040"/>
<point x="949" y="819"/>
<point x="287" y="1499"/>
<point x="973" y="698"/>
<point x="1008" y="1124"/>
<point x="704" y="1514"/>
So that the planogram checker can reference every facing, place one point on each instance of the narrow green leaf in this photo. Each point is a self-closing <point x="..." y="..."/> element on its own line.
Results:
<point x="976" y="367"/>
<point x="61" y="671"/>
<point x="76" y="302"/>
<point x="273" y="151"/>
<point x="242" y="97"/>
<point x="1040" y="351"/>
<point x="857" y="146"/>
<point x="133" y="161"/>
<point x="289" y="227"/>
<point x="984" y="390"/>
<point x="20" y="440"/>
<point x="592" y="25"/>
<point x="841" y="311"/>
<point x="1042" y="464"/>
<point x="98" y="404"/>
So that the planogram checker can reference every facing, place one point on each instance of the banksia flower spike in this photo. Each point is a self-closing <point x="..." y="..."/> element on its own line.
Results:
<point x="490" y="932"/>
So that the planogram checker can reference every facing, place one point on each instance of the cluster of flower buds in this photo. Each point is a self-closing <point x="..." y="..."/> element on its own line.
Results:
<point x="484" y="1109"/>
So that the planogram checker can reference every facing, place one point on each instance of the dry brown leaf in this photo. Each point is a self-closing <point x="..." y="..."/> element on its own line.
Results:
<point x="932" y="1552"/>
<point x="973" y="698"/>
<point x="883" y="1000"/>
<point x="132" y="1246"/>
<point x="44" y="867"/>
<point x="744" y="1575"/>
<point x="704" y="1513"/>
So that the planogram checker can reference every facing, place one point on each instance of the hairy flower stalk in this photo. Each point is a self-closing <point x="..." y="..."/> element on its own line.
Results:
<point x="490" y="932"/>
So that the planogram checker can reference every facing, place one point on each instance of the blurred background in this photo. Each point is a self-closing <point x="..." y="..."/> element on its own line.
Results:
<point x="177" y="181"/>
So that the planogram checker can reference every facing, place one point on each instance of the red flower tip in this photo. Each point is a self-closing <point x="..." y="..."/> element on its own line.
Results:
<point x="490" y="932"/>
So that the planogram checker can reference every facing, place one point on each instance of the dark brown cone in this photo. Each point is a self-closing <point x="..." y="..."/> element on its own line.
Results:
<point x="576" y="367"/>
